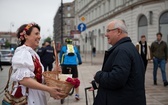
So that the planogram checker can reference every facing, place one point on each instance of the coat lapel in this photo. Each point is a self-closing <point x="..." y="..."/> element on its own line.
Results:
<point x="107" y="53"/>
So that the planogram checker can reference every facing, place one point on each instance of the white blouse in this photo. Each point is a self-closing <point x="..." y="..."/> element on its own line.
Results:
<point x="23" y="66"/>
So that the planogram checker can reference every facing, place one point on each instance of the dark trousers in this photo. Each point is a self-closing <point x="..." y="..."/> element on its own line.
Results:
<point x="145" y="61"/>
<point x="48" y="65"/>
<point x="1" y="66"/>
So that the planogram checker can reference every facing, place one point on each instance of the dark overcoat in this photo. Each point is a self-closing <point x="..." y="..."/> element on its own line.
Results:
<point x="121" y="80"/>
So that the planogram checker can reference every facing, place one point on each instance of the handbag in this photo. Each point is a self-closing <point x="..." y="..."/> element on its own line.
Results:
<point x="10" y="99"/>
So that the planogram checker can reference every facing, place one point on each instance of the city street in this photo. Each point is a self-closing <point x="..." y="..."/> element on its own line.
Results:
<point x="155" y="95"/>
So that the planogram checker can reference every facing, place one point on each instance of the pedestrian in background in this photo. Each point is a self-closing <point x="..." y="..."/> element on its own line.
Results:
<point x="40" y="50"/>
<point x="121" y="79"/>
<point x="144" y="50"/>
<point x="94" y="51"/>
<point x="28" y="68"/>
<point x="0" y="62"/>
<point x="68" y="59"/>
<point x="159" y="55"/>
<point x="47" y="56"/>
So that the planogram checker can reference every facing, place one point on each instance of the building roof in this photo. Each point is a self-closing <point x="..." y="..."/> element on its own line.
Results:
<point x="8" y="33"/>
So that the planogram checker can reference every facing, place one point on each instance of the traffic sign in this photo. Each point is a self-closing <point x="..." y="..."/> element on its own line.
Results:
<point x="83" y="18"/>
<point x="82" y="27"/>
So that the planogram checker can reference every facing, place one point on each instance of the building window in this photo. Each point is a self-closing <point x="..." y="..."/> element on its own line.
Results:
<point x="164" y="18"/>
<point x="104" y="8"/>
<point x="99" y="11"/>
<point x="68" y="8"/>
<point x="96" y="13"/>
<point x="142" y="27"/>
<point x="114" y="4"/>
<point x="109" y="5"/>
<point x="69" y="28"/>
<point x="68" y="15"/>
<point x="163" y="24"/>
<point x="142" y="21"/>
<point x="68" y="22"/>
<point x="92" y="15"/>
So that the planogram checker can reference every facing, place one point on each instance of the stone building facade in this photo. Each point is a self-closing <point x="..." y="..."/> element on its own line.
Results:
<point x="143" y="17"/>
<point x="68" y="21"/>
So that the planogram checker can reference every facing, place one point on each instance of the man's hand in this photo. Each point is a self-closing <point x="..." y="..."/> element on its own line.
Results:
<point x="91" y="89"/>
<point x="80" y="63"/>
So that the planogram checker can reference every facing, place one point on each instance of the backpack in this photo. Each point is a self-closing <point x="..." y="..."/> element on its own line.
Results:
<point x="70" y="50"/>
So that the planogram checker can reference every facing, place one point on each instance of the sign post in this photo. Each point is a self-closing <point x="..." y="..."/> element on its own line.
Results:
<point x="82" y="27"/>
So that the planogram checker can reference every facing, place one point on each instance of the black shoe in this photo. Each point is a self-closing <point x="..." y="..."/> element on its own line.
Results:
<point x="155" y="83"/>
<point x="1" y="69"/>
<point x="165" y="83"/>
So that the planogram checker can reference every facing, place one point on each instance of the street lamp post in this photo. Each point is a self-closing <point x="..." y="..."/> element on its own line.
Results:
<point x="61" y="22"/>
<point x="11" y="25"/>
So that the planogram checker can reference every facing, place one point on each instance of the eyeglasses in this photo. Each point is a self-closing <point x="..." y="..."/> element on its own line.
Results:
<point x="108" y="30"/>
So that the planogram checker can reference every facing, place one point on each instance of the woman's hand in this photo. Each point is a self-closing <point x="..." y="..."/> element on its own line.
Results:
<point x="59" y="69"/>
<point x="55" y="92"/>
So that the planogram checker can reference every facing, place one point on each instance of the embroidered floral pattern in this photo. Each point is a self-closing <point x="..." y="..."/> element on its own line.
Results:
<point x="38" y="69"/>
<point x="22" y="35"/>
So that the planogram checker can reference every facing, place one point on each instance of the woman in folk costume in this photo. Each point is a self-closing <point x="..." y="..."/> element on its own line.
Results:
<point x="144" y="50"/>
<point x="28" y="68"/>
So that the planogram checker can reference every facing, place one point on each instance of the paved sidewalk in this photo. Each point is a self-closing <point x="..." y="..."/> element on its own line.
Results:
<point x="156" y="95"/>
<point x="86" y="73"/>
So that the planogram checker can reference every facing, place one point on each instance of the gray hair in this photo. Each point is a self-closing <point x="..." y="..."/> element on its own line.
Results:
<point x="121" y="25"/>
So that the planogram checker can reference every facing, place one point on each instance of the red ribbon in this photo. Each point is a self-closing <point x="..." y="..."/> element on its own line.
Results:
<point x="73" y="81"/>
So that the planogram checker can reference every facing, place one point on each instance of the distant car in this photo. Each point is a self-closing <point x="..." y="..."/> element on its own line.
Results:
<point x="6" y="55"/>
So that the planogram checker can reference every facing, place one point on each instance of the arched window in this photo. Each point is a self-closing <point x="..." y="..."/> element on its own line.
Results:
<point x="164" y="18"/>
<point x="163" y="26"/>
<point x="142" y="27"/>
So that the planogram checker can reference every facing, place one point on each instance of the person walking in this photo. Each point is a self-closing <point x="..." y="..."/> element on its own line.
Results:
<point x="0" y="62"/>
<point x="28" y="69"/>
<point x="144" y="50"/>
<point x="121" y="79"/>
<point x="39" y="52"/>
<point x="68" y="60"/>
<point x="47" y="56"/>
<point x="94" y="51"/>
<point x="159" y="55"/>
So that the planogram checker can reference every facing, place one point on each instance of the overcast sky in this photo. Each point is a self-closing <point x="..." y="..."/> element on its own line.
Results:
<point x="14" y="13"/>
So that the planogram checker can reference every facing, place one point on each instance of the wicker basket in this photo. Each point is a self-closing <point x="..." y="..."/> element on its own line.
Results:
<point x="50" y="80"/>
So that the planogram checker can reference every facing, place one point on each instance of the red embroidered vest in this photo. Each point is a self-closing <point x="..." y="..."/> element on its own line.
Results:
<point x="37" y="69"/>
<point x="38" y="76"/>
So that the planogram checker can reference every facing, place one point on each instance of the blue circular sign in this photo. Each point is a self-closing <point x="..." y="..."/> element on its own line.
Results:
<point x="82" y="27"/>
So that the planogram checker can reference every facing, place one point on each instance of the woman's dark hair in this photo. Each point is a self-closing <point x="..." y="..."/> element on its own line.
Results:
<point x="28" y="31"/>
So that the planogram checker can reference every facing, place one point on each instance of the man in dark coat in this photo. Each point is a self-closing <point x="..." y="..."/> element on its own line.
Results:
<point x="159" y="55"/>
<point x="121" y="80"/>
<point x="41" y="50"/>
<point x="47" y="56"/>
